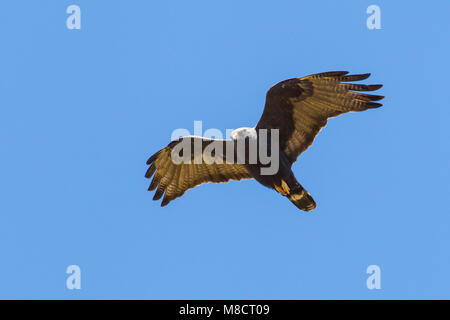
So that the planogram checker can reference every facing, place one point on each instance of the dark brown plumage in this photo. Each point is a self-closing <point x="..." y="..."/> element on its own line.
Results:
<point x="176" y="179"/>
<point x="299" y="108"/>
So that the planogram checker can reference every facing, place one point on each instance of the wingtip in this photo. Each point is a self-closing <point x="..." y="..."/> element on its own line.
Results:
<point x="154" y="183"/>
<point x="373" y="87"/>
<point x="355" y="77"/>
<point x="152" y="158"/>
<point x="150" y="171"/>
<point x="338" y="73"/>
<point x="373" y="105"/>
<point x="157" y="195"/>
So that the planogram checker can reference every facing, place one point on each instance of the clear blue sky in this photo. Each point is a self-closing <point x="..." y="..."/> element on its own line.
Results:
<point x="81" y="111"/>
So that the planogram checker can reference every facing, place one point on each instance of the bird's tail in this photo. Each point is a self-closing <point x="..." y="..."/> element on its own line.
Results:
<point x="302" y="199"/>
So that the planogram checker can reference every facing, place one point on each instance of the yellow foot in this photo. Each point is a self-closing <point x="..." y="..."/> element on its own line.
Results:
<point x="280" y="190"/>
<point x="285" y="187"/>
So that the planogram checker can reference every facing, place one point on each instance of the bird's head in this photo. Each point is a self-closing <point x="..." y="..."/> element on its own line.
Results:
<point x="243" y="133"/>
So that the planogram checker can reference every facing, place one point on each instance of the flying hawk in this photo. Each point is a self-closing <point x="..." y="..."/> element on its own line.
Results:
<point x="299" y="108"/>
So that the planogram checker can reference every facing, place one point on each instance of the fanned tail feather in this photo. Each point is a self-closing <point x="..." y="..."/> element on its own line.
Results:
<point x="302" y="200"/>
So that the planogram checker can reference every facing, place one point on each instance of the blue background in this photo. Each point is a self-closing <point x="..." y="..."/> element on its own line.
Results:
<point x="81" y="111"/>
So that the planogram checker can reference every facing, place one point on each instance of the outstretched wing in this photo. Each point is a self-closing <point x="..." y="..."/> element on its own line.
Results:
<point x="300" y="107"/>
<point x="212" y="161"/>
